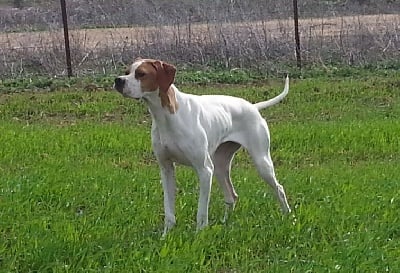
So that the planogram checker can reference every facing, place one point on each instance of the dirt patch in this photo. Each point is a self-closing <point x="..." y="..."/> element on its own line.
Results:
<point x="195" y="33"/>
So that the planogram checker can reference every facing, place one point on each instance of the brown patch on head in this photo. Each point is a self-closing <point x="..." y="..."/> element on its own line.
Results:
<point x="155" y="75"/>
<point x="165" y="75"/>
<point x="147" y="76"/>
<point x="165" y="78"/>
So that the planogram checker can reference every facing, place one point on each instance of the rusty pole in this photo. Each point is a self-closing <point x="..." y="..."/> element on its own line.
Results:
<point x="66" y="37"/>
<point x="296" y="32"/>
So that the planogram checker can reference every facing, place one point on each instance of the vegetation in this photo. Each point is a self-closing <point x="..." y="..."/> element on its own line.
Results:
<point x="251" y="34"/>
<point x="80" y="187"/>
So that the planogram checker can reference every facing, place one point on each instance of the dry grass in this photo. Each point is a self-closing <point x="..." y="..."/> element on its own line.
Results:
<point x="346" y="39"/>
<point x="197" y="33"/>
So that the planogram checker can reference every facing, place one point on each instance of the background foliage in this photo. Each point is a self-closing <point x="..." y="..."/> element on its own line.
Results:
<point x="256" y="35"/>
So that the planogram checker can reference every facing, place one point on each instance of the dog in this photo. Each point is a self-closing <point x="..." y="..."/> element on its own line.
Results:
<point x="203" y="132"/>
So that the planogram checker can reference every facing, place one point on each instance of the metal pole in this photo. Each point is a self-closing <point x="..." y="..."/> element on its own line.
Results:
<point x="66" y="38"/>
<point x="296" y="32"/>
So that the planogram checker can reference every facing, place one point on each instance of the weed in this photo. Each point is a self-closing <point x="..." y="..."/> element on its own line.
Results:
<point x="80" y="188"/>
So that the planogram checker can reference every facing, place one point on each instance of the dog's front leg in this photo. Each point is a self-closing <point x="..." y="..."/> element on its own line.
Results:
<point x="169" y="186"/>
<point x="205" y="174"/>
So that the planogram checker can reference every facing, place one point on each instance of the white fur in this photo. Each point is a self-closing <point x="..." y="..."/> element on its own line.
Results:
<point x="205" y="133"/>
<point x="132" y="86"/>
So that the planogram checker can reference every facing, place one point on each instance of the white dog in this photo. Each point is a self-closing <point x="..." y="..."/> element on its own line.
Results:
<point x="203" y="132"/>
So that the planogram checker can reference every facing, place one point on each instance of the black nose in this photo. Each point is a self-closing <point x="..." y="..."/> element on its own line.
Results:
<point x="119" y="84"/>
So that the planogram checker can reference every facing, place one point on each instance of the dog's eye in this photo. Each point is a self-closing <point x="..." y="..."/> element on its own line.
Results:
<point x="139" y="74"/>
<point x="127" y="72"/>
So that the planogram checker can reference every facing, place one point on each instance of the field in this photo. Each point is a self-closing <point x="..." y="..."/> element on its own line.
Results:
<point x="262" y="44"/>
<point x="115" y="37"/>
<point x="80" y="191"/>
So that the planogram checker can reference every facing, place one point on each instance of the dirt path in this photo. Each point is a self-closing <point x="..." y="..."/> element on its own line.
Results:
<point x="113" y="37"/>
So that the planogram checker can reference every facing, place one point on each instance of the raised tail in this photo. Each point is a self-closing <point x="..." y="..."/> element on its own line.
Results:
<point x="275" y="100"/>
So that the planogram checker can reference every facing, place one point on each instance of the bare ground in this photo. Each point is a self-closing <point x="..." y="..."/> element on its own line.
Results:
<point x="114" y="37"/>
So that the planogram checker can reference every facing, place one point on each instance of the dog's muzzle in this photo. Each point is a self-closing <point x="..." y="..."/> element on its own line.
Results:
<point x="119" y="84"/>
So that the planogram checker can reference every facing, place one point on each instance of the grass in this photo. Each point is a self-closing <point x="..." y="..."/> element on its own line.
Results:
<point x="80" y="187"/>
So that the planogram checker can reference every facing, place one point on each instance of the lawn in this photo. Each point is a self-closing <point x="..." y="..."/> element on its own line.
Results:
<point x="80" y="191"/>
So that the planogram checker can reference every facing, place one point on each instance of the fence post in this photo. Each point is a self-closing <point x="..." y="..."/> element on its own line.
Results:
<point x="18" y="4"/>
<point x="66" y="37"/>
<point x="296" y="32"/>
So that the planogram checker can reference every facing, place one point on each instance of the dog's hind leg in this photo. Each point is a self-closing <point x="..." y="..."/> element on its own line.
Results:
<point x="222" y="167"/>
<point x="265" y="168"/>
<point x="260" y="153"/>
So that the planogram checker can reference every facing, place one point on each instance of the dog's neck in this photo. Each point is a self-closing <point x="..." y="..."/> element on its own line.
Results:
<point x="162" y="106"/>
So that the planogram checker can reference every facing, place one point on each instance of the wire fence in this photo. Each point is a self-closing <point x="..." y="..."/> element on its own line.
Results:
<point x="105" y="35"/>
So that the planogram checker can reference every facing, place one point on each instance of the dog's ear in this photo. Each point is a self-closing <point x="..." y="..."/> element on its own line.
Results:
<point x="165" y="77"/>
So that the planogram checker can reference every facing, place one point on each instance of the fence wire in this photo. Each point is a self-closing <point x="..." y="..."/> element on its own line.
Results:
<point x="105" y="35"/>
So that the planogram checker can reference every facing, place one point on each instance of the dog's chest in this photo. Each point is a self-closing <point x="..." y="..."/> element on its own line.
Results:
<point x="173" y="148"/>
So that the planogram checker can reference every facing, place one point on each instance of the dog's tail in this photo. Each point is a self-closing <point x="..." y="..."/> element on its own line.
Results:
<point x="273" y="101"/>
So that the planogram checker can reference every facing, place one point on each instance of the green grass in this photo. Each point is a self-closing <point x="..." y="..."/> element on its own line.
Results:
<point x="80" y="191"/>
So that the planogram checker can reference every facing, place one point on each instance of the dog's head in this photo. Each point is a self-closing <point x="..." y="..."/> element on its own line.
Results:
<point x="145" y="76"/>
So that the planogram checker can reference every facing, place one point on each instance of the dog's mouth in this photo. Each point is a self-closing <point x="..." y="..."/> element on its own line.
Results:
<point x="125" y="95"/>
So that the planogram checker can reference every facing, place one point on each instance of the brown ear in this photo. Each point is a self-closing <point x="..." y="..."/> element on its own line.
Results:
<point x="165" y="77"/>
